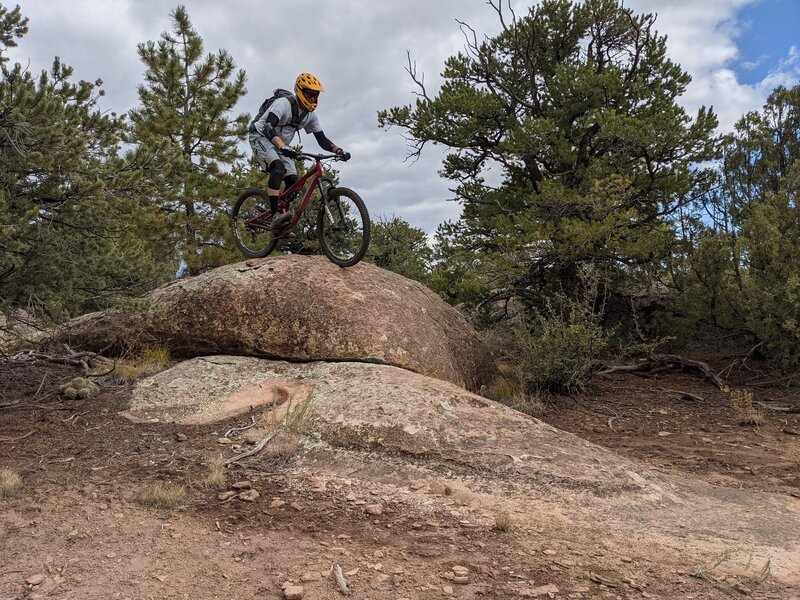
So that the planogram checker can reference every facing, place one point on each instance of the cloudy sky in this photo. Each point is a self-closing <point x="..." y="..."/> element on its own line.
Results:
<point x="736" y="50"/>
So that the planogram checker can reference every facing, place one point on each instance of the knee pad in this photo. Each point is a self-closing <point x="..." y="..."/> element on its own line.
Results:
<point x="276" y="172"/>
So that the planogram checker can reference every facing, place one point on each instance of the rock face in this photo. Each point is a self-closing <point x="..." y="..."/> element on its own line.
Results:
<point x="300" y="308"/>
<point x="378" y="407"/>
<point x="391" y="425"/>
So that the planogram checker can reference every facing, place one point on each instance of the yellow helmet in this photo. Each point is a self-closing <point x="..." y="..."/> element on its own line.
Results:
<point x="307" y="89"/>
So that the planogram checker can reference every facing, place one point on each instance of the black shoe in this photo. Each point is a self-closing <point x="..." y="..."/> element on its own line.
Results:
<point x="282" y="219"/>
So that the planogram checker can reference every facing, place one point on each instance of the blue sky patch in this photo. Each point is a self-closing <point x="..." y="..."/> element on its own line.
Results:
<point x="769" y="29"/>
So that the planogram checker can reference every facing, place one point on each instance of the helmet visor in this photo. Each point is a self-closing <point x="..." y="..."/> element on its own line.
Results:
<point x="311" y="95"/>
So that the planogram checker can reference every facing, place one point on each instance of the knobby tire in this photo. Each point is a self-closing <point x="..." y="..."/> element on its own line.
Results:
<point x="260" y="246"/>
<point x="343" y="247"/>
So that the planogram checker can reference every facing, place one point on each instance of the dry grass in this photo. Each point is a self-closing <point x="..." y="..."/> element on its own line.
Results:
<point x="10" y="482"/>
<point x="505" y="387"/>
<point x="746" y="413"/>
<point x="215" y="478"/>
<point x="161" y="495"/>
<point x="502" y="523"/>
<point x="149" y="360"/>
<point x="530" y="404"/>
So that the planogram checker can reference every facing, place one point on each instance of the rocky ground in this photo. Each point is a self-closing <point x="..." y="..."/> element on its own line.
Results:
<point x="399" y="525"/>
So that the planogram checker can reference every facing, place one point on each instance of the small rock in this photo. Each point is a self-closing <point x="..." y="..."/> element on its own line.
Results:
<point x="242" y="485"/>
<point x="742" y="589"/>
<point x="293" y="592"/>
<point x="297" y="506"/>
<point x="378" y="554"/>
<point x="180" y="437"/>
<point x="277" y="503"/>
<point x="663" y="433"/>
<point x="461" y="579"/>
<point x="626" y="559"/>
<point x="549" y="589"/>
<point x="35" y="579"/>
<point x="224" y="441"/>
<point x="549" y="551"/>
<point x="249" y="495"/>
<point x="351" y="497"/>
<point x="161" y="578"/>
<point x="351" y="572"/>
<point x="460" y="570"/>
<point x="222" y="497"/>
<point x="374" y="509"/>
<point x="448" y="589"/>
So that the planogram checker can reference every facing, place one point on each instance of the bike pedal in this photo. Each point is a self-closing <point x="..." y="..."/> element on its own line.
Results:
<point x="280" y="220"/>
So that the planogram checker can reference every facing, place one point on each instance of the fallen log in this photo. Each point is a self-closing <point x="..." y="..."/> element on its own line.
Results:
<point x="662" y="362"/>
<point x="783" y="409"/>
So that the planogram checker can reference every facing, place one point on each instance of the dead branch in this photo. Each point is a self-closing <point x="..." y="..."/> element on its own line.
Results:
<point x="411" y="69"/>
<point x="341" y="582"/>
<point x="258" y="447"/>
<point x="238" y="430"/>
<point x="83" y="360"/>
<point x="782" y="409"/>
<point x="685" y="395"/>
<point x="740" y="360"/>
<point x="663" y="362"/>
<point x="16" y="439"/>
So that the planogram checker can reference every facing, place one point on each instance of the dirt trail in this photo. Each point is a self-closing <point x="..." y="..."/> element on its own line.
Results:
<point x="74" y="530"/>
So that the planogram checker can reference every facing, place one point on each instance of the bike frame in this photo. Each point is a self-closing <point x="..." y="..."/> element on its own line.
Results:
<point x="316" y="175"/>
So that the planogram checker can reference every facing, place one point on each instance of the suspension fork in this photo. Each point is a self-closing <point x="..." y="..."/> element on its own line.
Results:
<point x="325" y="185"/>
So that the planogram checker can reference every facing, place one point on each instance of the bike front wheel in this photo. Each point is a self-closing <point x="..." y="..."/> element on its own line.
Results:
<point x="343" y="227"/>
<point x="250" y="224"/>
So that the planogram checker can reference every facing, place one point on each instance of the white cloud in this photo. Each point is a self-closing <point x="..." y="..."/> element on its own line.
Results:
<point x="701" y="37"/>
<point x="358" y="49"/>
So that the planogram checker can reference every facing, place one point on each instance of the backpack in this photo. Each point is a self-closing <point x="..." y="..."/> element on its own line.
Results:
<point x="297" y="114"/>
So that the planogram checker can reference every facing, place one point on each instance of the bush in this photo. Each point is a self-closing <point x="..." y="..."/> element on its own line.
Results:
<point x="559" y="346"/>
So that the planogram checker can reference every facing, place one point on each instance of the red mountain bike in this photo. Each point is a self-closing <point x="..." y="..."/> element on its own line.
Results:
<point x="343" y="226"/>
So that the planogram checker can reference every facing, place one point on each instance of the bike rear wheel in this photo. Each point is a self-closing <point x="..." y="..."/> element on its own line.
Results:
<point x="251" y="234"/>
<point x="343" y="227"/>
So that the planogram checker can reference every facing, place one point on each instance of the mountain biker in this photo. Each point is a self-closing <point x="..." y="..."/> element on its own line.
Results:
<point x="272" y="132"/>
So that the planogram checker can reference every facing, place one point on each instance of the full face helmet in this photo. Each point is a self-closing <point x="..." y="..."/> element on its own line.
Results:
<point x="307" y="88"/>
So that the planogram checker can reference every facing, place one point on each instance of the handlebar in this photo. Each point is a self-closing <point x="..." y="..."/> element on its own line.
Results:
<point x="311" y="156"/>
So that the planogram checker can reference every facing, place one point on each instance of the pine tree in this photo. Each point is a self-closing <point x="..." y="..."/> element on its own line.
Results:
<point x="74" y="234"/>
<point x="575" y="104"/>
<point x="185" y="112"/>
<point x="740" y="273"/>
<point x="397" y="246"/>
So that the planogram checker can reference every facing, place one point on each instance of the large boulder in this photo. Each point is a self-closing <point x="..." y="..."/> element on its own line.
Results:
<point x="380" y="423"/>
<point x="299" y="308"/>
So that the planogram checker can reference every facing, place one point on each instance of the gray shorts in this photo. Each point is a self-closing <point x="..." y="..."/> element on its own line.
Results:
<point x="265" y="152"/>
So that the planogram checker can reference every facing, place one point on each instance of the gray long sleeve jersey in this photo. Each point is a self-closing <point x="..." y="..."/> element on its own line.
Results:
<point x="282" y="109"/>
